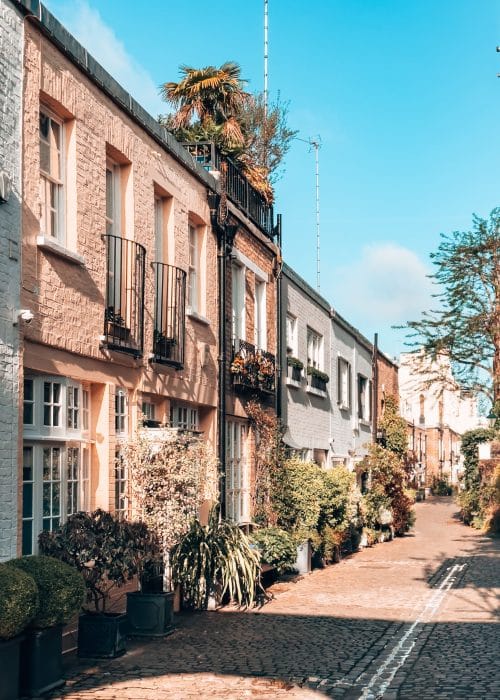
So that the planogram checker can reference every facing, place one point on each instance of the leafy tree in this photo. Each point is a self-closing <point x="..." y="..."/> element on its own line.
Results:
<point x="212" y="105"/>
<point x="394" y="427"/>
<point x="466" y="326"/>
<point x="214" y="95"/>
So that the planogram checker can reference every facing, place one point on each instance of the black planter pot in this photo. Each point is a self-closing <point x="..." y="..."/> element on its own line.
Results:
<point x="9" y="665"/>
<point x="102" y="636"/>
<point x="150" y="614"/>
<point x="41" y="661"/>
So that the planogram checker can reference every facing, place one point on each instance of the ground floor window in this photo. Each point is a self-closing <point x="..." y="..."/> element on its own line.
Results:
<point x="56" y="479"/>
<point x="237" y="478"/>
<point x="121" y="485"/>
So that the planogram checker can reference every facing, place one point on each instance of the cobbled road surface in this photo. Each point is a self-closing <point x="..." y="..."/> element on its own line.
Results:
<point x="415" y="618"/>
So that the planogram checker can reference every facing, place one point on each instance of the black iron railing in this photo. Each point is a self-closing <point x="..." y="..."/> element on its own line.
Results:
<point x="239" y="190"/>
<point x="124" y="312"/>
<point x="170" y="314"/>
<point x="253" y="369"/>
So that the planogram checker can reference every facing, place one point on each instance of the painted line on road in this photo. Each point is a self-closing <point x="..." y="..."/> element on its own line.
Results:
<point x="381" y="680"/>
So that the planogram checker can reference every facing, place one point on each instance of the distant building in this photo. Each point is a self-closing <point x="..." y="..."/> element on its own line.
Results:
<point x="438" y="412"/>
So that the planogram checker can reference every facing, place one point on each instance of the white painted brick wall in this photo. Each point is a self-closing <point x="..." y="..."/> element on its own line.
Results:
<point x="11" y="47"/>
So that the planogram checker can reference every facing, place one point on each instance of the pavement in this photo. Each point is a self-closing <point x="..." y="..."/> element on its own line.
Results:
<point x="414" y="618"/>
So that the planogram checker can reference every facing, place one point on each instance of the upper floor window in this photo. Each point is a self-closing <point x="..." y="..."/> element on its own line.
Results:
<point x="121" y="412"/>
<point x="52" y="404"/>
<point x="344" y="383"/>
<point x="29" y="403"/>
<point x="314" y="349"/>
<point x="73" y="407"/>
<point x="364" y="398"/>
<point x="113" y="196"/>
<point x="291" y="335"/>
<point x="51" y="133"/>
<point x="260" y="315"/>
<point x="159" y="230"/>
<point x="194" y="269"/>
<point x="421" y="401"/>
<point x="238" y="302"/>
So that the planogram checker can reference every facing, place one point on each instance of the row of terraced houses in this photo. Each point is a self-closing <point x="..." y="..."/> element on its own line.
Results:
<point x="142" y="284"/>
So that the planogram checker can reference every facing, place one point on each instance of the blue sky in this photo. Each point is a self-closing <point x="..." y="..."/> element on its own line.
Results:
<point x="403" y="93"/>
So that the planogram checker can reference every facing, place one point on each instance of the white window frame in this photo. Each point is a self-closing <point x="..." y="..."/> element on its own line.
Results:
<point x="291" y="335"/>
<point x="49" y="183"/>
<point x="260" y="321"/>
<point x="193" y="268"/>
<point x="29" y="402"/>
<point x="314" y="349"/>
<point x="73" y="407"/>
<point x="237" y="473"/>
<point x="121" y="484"/>
<point x="363" y="394"/>
<point x="184" y="417"/>
<point x="121" y="412"/>
<point x="344" y="383"/>
<point x="238" y="305"/>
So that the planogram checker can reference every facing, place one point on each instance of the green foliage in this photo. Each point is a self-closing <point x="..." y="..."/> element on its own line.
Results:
<point x="298" y="496"/>
<point x="440" y="487"/>
<point x="277" y="548"/>
<point x="106" y="550"/>
<point x="465" y="324"/>
<point x="294" y="362"/>
<point x="315" y="372"/>
<point x="18" y="601"/>
<point x="386" y="501"/>
<point x="215" y="559"/>
<point x="61" y="589"/>
<point x="394" y="427"/>
<point x="338" y="501"/>
<point x="470" y="498"/>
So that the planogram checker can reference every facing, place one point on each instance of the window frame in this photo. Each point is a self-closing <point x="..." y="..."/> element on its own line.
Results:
<point x="344" y="372"/>
<point x="237" y="473"/>
<point x="48" y="179"/>
<point x="260" y="315"/>
<point x="291" y="335"/>
<point x="121" y="412"/>
<point x="193" y="276"/>
<point x="314" y="349"/>
<point x="238" y="302"/>
<point x="364" y="398"/>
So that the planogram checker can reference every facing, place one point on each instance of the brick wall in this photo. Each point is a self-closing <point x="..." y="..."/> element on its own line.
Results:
<point x="11" y="37"/>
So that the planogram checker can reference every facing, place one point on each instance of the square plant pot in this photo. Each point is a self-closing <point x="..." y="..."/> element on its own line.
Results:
<point x="150" y="614"/>
<point x="9" y="665"/>
<point x="41" y="661"/>
<point x="102" y="636"/>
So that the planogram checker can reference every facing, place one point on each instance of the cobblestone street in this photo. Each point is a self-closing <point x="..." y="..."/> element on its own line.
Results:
<point x="414" y="618"/>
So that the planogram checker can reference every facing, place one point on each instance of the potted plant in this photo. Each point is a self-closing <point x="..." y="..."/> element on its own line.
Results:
<point x="276" y="548"/>
<point x="107" y="551"/>
<point x="61" y="591"/>
<point x="18" y="605"/>
<point x="172" y="475"/>
<point x="213" y="561"/>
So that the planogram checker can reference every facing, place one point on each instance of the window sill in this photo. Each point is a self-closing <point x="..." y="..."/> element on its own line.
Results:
<point x="316" y="392"/>
<point x="197" y="317"/>
<point x="364" y="423"/>
<point x="343" y="407"/>
<point x="293" y="382"/>
<point x="52" y="246"/>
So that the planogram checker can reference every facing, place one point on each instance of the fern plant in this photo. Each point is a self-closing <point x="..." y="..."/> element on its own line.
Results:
<point x="216" y="560"/>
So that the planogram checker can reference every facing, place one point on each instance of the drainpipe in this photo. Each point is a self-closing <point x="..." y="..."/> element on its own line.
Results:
<point x="221" y="399"/>
<point x="279" y="325"/>
<point x="375" y="389"/>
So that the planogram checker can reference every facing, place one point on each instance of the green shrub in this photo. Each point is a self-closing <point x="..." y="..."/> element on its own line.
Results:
<point x="277" y="548"/>
<point x="61" y="589"/>
<point x="106" y="550"/>
<point x="298" y="495"/>
<point x="338" y="504"/>
<point x="215" y="559"/>
<point x="440" y="487"/>
<point x="18" y="601"/>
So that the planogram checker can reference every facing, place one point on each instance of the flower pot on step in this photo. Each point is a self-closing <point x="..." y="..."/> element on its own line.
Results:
<point x="102" y="636"/>
<point x="41" y="661"/>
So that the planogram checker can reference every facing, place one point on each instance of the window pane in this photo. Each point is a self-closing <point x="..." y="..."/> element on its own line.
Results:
<point x="28" y="414"/>
<point x="27" y="546"/>
<point x="46" y="392"/>
<point x="28" y="390"/>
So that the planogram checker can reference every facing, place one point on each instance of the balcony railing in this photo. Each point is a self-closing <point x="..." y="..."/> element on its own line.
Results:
<point x="253" y="369"/>
<point x="239" y="190"/>
<point x="170" y="315"/>
<point x="124" y="312"/>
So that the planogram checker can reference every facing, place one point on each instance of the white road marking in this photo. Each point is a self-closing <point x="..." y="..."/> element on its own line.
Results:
<point x="377" y="685"/>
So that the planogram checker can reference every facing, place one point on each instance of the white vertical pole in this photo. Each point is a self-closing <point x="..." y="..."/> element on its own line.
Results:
<point x="316" y="145"/>
<point x="266" y="56"/>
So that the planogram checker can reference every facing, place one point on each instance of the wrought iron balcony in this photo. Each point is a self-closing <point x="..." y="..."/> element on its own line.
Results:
<point x="239" y="190"/>
<point x="170" y="315"/>
<point x="252" y="369"/>
<point x="124" y="311"/>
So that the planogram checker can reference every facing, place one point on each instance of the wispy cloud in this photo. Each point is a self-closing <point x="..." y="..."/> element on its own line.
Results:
<point x="87" y="25"/>
<point x="387" y="285"/>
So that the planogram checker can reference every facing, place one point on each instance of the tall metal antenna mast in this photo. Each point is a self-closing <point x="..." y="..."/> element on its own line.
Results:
<point x="266" y="56"/>
<point x="316" y="144"/>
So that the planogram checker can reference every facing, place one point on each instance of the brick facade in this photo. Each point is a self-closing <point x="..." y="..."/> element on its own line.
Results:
<point x="11" y="47"/>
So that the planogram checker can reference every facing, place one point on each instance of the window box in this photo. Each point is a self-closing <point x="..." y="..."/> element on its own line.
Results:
<point x="253" y="369"/>
<point x="318" y="379"/>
